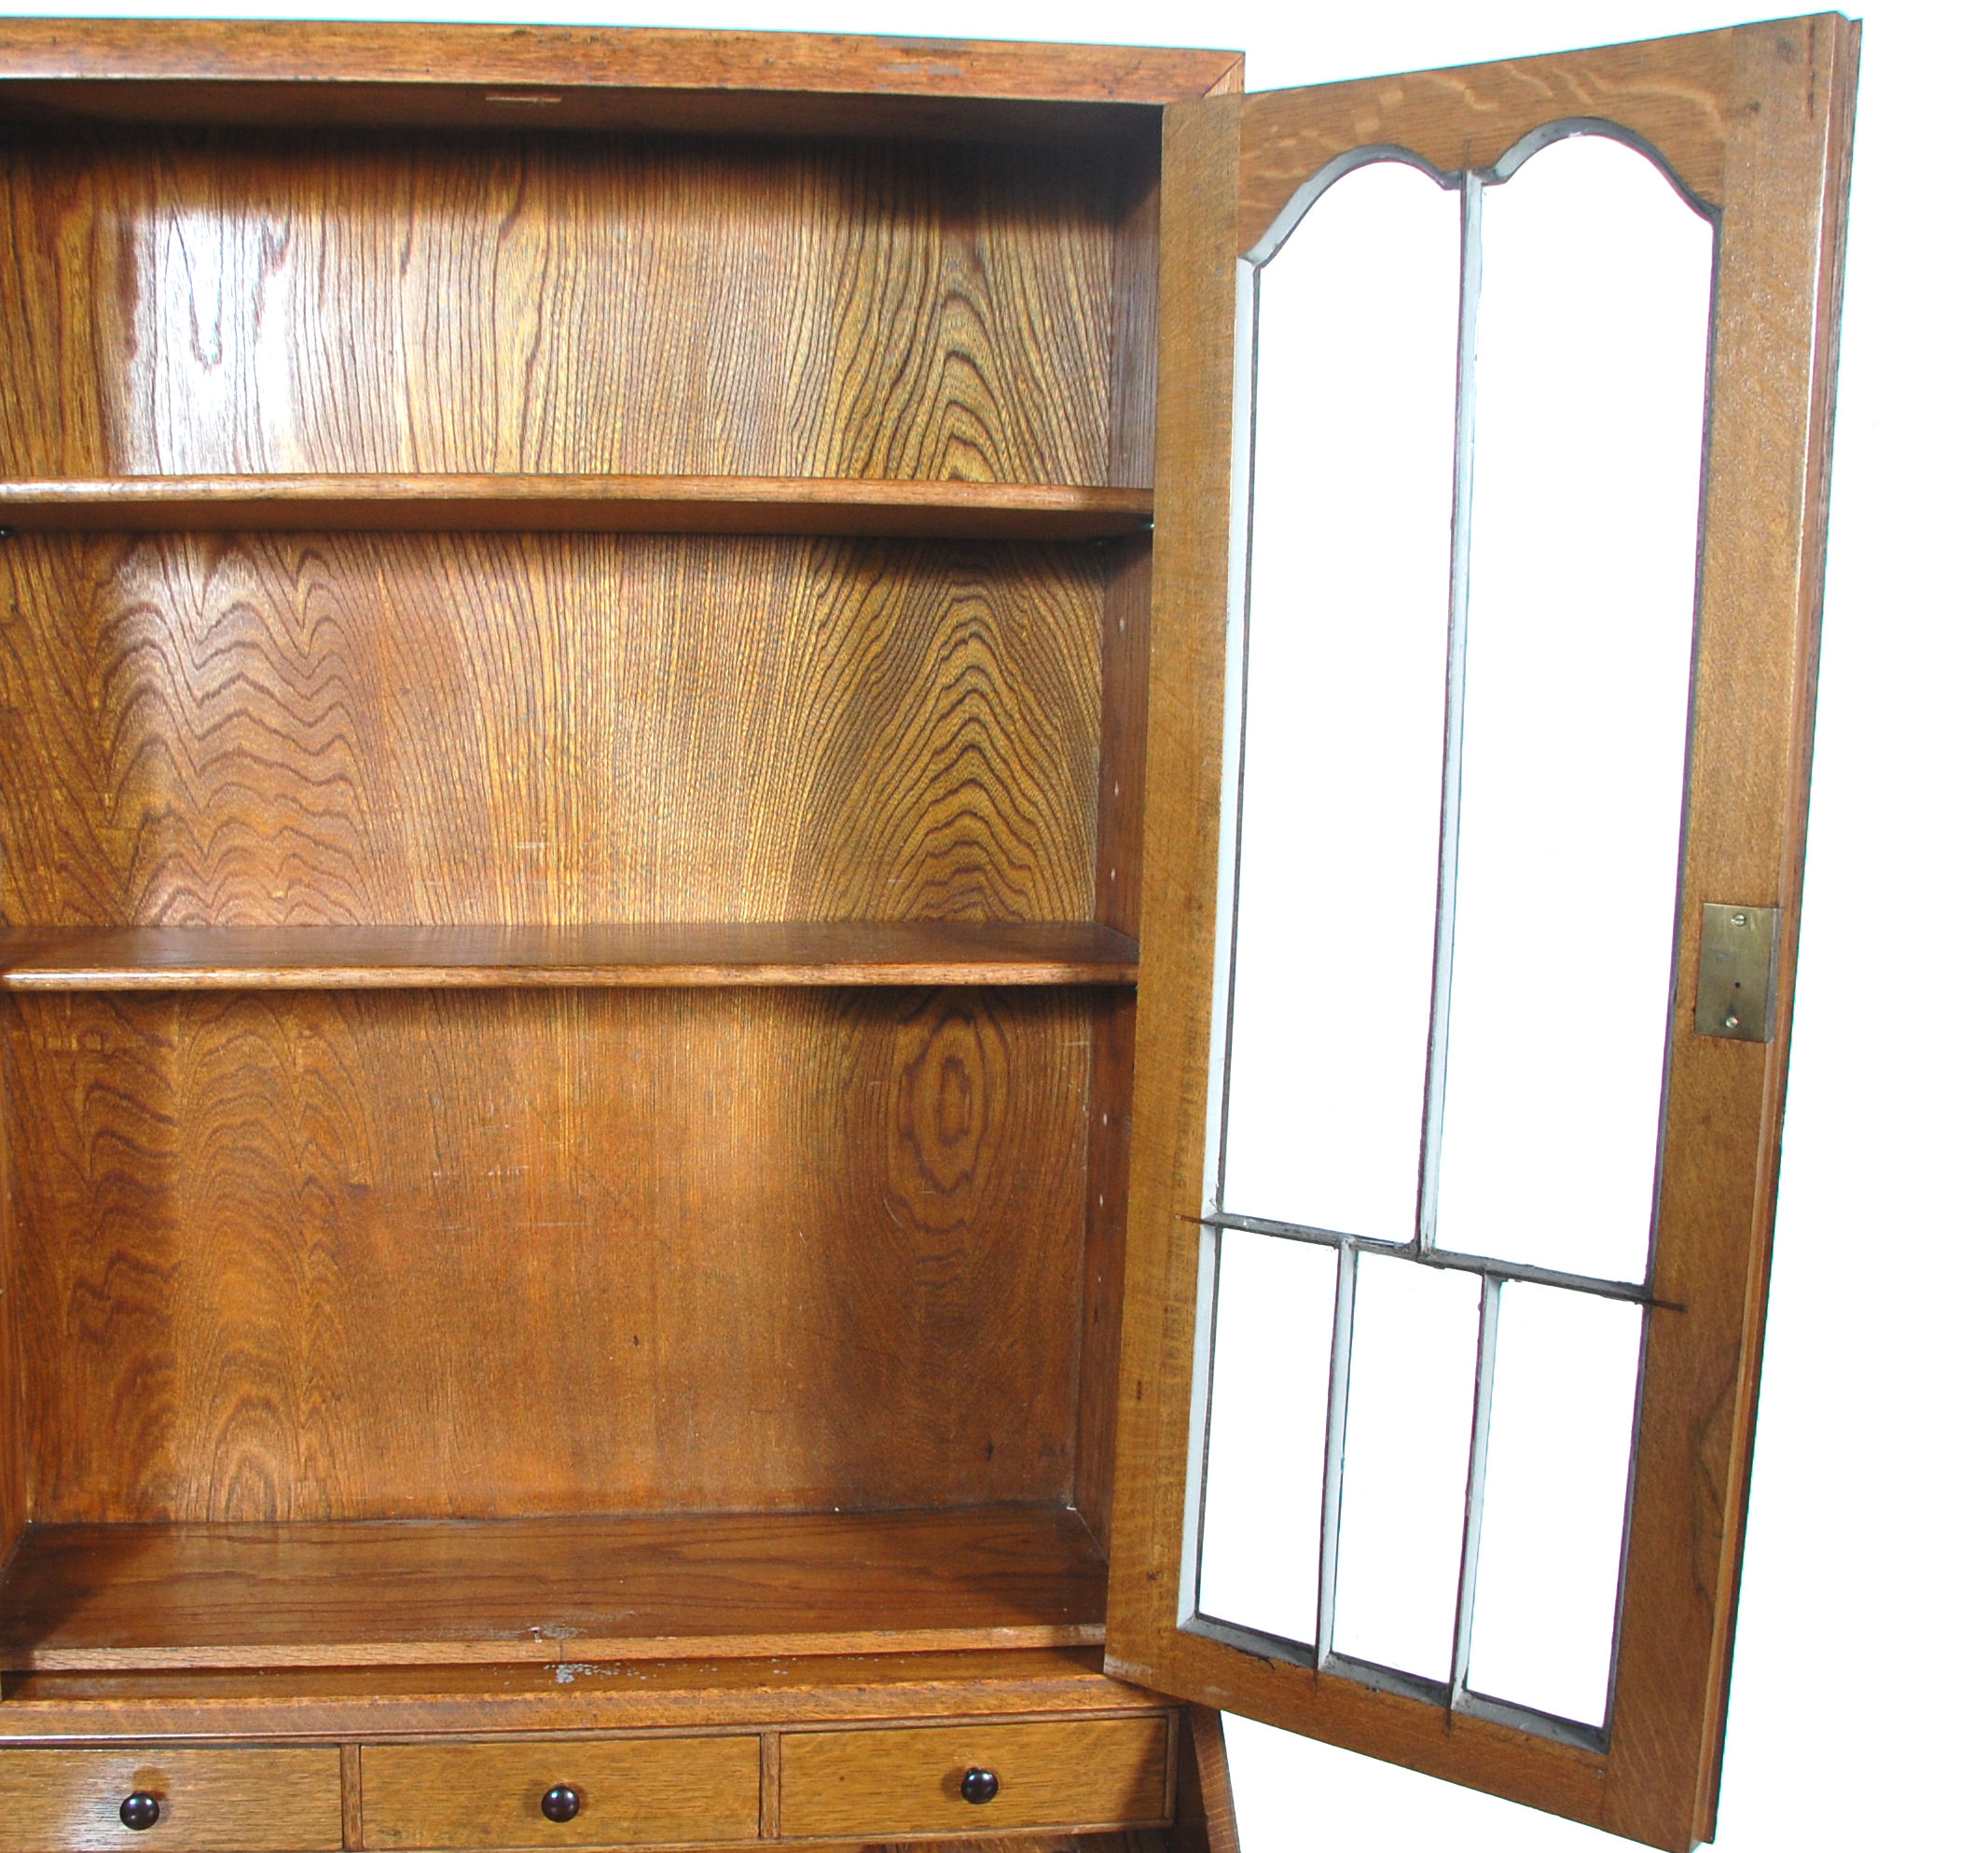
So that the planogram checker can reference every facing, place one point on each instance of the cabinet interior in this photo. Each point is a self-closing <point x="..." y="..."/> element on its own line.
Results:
<point x="423" y="1241"/>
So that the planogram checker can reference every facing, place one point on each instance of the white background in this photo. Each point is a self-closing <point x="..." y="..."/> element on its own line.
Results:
<point x="1861" y="1619"/>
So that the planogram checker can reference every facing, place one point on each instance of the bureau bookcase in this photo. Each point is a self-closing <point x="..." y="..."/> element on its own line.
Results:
<point x="577" y="627"/>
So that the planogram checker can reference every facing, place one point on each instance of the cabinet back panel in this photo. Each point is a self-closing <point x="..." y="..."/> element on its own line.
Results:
<point x="546" y="729"/>
<point x="328" y="1255"/>
<point x="188" y="301"/>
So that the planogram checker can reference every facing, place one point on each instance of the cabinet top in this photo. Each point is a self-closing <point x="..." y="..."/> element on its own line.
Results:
<point x="284" y="72"/>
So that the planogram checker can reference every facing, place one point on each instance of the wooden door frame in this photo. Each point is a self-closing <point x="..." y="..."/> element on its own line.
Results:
<point x="1755" y="122"/>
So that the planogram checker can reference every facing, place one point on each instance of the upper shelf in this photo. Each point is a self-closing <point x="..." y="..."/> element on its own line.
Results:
<point x="580" y="503"/>
<point x="374" y="958"/>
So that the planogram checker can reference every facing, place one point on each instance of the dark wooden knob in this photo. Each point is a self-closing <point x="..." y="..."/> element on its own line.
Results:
<point x="560" y="1802"/>
<point x="138" y="1811"/>
<point x="979" y="1785"/>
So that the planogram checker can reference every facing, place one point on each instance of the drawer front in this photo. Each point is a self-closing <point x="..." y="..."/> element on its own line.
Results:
<point x="208" y="1801"/>
<point x="630" y="1794"/>
<point x="1105" y="1772"/>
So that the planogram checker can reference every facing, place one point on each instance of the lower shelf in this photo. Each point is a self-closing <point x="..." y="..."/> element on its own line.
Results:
<point x="403" y="1703"/>
<point x="113" y="1598"/>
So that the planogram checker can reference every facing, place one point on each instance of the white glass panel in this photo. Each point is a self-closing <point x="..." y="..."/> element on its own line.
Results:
<point x="1343" y="754"/>
<point x="1410" y="1399"/>
<point x="1583" y="548"/>
<point x="1563" y="1412"/>
<point x="1266" y="1434"/>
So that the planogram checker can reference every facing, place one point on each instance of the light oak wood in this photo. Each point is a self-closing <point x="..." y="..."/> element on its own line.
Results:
<point x="569" y="504"/>
<point x="1779" y="305"/>
<point x="1676" y="94"/>
<point x="769" y="1784"/>
<point x="351" y="1785"/>
<point x="1757" y="121"/>
<point x="287" y="73"/>
<point x="599" y="679"/>
<point x="938" y="952"/>
<point x="633" y="1792"/>
<point x="558" y="305"/>
<point x="534" y="730"/>
<point x="1094" y="1774"/>
<point x="211" y="1801"/>
<point x="337" y="1255"/>
<point x="107" y="1597"/>
<point x="368" y="1703"/>
<point x="1206" y="1804"/>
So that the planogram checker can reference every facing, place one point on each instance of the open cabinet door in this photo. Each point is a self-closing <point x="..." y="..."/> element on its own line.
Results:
<point x="1494" y="434"/>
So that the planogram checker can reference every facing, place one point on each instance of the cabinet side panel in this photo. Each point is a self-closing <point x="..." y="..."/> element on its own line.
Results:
<point x="14" y="1445"/>
<point x="1121" y="794"/>
<point x="1121" y="807"/>
<point x="186" y="302"/>
<point x="501" y="1253"/>
<point x="478" y="730"/>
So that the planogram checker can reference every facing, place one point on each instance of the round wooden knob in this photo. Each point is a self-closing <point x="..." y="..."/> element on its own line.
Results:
<point x="560" y="1802"/>
<point x="979" y="1785"/>
<point x="138" y="1811"/>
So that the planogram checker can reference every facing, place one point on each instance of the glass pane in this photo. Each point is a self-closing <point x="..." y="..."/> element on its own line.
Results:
<point x="1563" y="1414"/>
<point x="1343" y="753"/>
<point x="1590" y="366"/>
<point x="1409" y="1403"/>
<point x="1264" y="1495"/>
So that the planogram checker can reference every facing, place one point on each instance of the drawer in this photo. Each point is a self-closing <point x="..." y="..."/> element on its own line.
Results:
<point x="631" y="1793"/>
<point x="208" y="1801"/>
<point x="1103" y="1772"/>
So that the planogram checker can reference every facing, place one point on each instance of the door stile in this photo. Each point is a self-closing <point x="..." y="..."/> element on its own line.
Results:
<point x="1753" y="718"/>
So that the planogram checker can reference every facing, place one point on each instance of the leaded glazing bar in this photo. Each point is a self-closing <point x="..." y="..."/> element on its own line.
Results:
<point x="1263" y="861"/>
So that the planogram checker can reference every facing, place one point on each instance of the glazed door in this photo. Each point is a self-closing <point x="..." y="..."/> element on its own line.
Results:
<point x="1494" y="429"/>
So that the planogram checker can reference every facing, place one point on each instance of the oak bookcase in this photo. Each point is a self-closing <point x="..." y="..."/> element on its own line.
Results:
<point x="574" y="637"/>
<point x="585" y="1259"/>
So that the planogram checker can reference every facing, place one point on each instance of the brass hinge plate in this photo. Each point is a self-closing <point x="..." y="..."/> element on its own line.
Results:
<point x="1738" y="947"/>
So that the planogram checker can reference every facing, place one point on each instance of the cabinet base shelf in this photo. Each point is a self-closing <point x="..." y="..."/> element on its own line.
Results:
<point x="402" y="1702"/>
<point x="107" y="1598"/>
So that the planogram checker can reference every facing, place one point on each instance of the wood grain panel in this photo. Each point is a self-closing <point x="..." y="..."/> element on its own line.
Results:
<point x="1676" y="94"/>
<point x="85" y="1598"/>
<point x="371" y="1702"/>
<point x="1102" y="1773"/>
<point x="632" y="1792"/>
<point x="554" y="305"/>
<point x="331" y="1255"/>
<point x="211" y="1801"/>
<point x="546" y="731"/>
<point x="784" y="953"/>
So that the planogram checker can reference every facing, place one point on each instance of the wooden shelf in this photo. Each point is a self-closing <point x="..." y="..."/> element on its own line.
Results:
<point x="579" y="503"/>
<point x="358" y="1702"/>
<point x="131" y="1597"/>
<point x="864" y="952"/>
